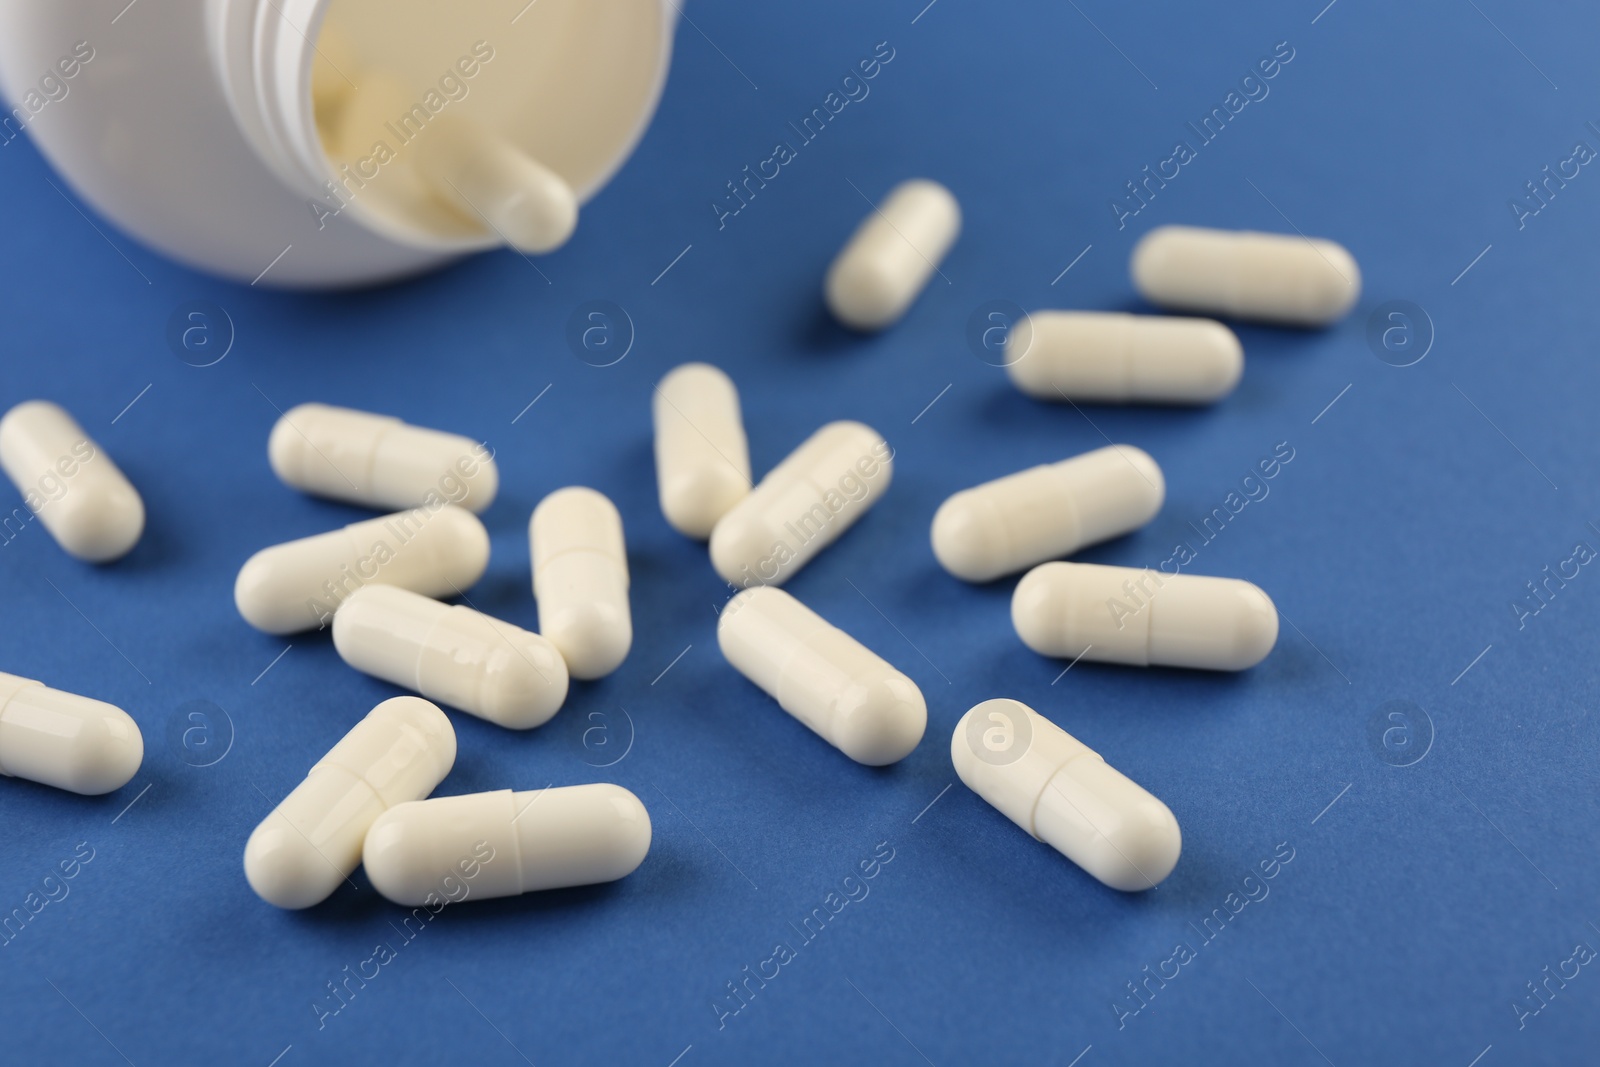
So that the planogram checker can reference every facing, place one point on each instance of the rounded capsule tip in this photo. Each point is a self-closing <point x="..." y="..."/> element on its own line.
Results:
<point x="1345" y="288"/>
<point x="388" y="856"/>
<point x="253" y="595"/>
<point x="626" y="839"/>
<point x="882" y="721"/>
<point x="464" y="539"/>
<point x="1034" y="606"/>
<point x="425" y="717"/>
<point x="962" y="542"/>
<point x="101" y="528"/>
<point x="1137" y="841"/>
<point x="284" y="869"/>
<point x="1255" y="630"/>
<point x="526" y="683"/>
<point x="482" y="487"/>
<point x="594" y="637"/>
<point x="694" y="500"/>
<point x="106" y="754"/>
<point x="739" y="545"/>
<point x="1225" y="370"/>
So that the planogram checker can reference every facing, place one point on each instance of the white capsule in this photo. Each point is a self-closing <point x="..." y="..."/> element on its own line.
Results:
<point x="489" y="179"/>
<point x="842" y="690"/>
<point x="1143" y="617"/>
<point x="298" y="585"/>
<point x="702" y="458"/>
<point x="580" y="579"/>
<point x="312" y="841"/>
<point x="503" y="844"/>
<point x="1061" y="792"/>
<point x="1108" y="357"/>
<point x="802" y="505"/>
<point x="451" y="654"/>
<point x="1241" y="274"/>
<point x="65" y="740"/>
<point x="378" y="461"/>
<point x="1011" y="523"/>
<point x="74" y="489"/>
<point x="893" y="253"/>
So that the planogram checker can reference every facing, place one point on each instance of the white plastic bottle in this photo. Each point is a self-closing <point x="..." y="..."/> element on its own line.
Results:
<point x="214" y="130"/>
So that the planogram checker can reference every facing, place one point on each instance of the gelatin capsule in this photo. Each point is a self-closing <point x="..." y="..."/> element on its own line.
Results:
<point x="503" y="844"/>
<point x="451" y="654"/>
<point x="842" y="690"/>
<point x="1064" y="794"/>
<point x="580" y="579"/>
<point x="312" y="841"/>
<point x="378" y="461"/>
<point x="1108" y="357"/>
<point x="298" y="585"/>
<point x="489" y="179"/>
<point x="702" y="457"/>
<point x="1014" y="522"/>
<point x="65" y="740"/>
<point x="891" y="256"/>
<point x="1144" y="618"/>
<point x="69" y="483"/>
<point x="802" y="505"/>
<point x="1241" y="274"/>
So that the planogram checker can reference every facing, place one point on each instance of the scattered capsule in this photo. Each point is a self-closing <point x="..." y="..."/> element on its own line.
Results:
<point x="1143" y="617"/>
<point x="1115" y="358"/>
<point x="298" y="585"/>
<point x="892" y="255"/>
<point x="702" y="457"/>
<point x="1044" y="512"/>
<point x="580" y="579"/>
<point x="65" y="740"/>
<point x="848" y="695"/>
<point x="802" y="505"/>
<point x="1064" y="794"/>
<point x="488" y="178"/>
<point x="1273" y="277"/>
<point x="72" y="486"/>
<point x="378" y="461"/>
<point x="451" y="654"/>
<point x="503" y="844"/>
<point x="312" y="841"/>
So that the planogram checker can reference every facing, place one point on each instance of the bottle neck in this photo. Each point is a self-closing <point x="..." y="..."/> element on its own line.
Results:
<point x="339" y="97"/>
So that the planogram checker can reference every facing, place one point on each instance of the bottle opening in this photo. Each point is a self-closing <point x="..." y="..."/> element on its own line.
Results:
<point x="457" y="126"/>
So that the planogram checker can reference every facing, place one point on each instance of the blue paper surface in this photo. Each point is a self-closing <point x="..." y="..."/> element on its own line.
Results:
<point x="1428" y="871"/>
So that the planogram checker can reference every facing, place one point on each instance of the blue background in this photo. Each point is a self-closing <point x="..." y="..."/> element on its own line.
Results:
<point x="1414" y="511"/>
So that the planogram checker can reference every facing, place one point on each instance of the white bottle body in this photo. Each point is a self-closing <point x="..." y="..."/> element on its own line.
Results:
<point x="191" y="126"/>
